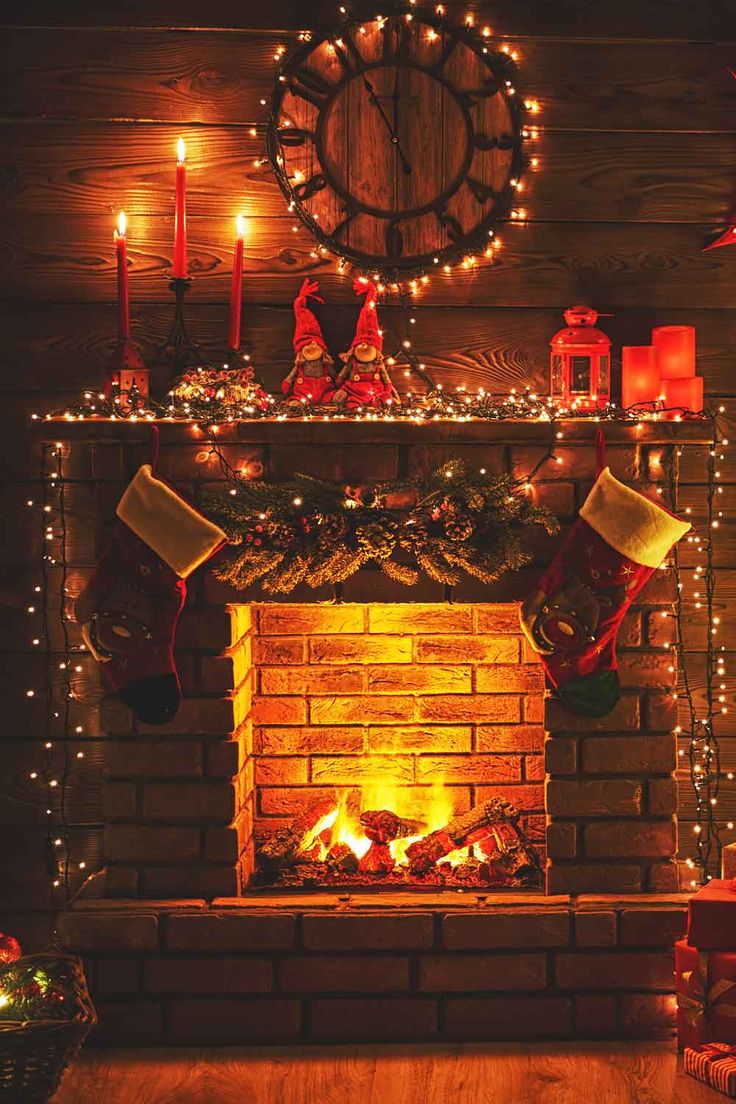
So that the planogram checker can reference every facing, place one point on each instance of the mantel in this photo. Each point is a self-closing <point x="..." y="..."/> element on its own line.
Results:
<point x="576" y="431"/>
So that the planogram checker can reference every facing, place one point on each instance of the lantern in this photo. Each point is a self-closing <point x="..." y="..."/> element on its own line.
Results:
<point x="581" y="361"/>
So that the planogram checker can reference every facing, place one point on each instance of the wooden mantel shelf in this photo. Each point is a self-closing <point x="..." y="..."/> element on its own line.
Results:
<point x="336" y="431"/>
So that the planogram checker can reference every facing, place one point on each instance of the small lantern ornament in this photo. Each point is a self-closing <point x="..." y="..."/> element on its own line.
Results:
<point x="580" y="364"/>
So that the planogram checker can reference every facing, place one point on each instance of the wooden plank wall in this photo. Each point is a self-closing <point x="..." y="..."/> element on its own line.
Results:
<point x="638" y="155"/>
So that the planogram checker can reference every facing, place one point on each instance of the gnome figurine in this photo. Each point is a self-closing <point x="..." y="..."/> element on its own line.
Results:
<point x="364" y="381"/>
<point x="311" y="380"/>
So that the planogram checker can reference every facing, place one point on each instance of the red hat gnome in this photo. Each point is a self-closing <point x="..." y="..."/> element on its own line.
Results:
<point x="572" y="619"/>
<point x="364" y="381"/>
<point x="311" y="379"/>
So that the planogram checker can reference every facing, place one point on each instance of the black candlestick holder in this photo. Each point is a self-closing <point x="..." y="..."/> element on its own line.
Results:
<point x="178" y="351"/>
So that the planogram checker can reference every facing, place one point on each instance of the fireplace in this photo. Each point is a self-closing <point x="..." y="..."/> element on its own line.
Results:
<point x="306" y="714"/>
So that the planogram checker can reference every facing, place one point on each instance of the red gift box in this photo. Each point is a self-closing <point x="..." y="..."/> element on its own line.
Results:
<point x="712" y="916"/>
<point x="715" y="1064"/>
<point x="706" y="996"/>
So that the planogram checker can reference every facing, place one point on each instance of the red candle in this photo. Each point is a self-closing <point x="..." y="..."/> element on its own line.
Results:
<point x="180" y="214"/>
<point x="123" y="296"/>
<point x="639" y="375"/>
<point x="676" y="346"/>
<point x="236" y="287"/>
<point x="684" y="393"/>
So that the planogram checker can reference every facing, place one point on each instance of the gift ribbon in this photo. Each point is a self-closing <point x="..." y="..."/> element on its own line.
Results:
<point x="707" y="998"/>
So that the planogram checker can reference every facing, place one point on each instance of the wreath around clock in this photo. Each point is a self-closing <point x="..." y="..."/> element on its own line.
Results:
<point x="397" y="141"/>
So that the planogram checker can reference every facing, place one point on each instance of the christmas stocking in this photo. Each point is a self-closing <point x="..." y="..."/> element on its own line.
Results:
<point x="572" y="620"/>
<point x="130" y="607"/>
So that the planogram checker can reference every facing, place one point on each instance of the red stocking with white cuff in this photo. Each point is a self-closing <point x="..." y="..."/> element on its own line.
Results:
<point x="130" y="608"/>
<point x="572" y="620"/>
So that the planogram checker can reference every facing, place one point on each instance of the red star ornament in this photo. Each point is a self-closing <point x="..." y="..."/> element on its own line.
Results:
<point x="728" y="237"/>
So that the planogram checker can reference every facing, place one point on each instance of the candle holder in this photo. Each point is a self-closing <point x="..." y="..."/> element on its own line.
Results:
<point x="178" y="351"/>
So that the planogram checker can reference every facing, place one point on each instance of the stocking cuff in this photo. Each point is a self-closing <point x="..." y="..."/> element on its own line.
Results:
<point x="176" y="532"/>
<point x="632" y="524"/>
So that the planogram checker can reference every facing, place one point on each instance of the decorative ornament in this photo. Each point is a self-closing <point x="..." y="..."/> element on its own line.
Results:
<point x="364" y="381"/>
<point x="581" y="362"/>
<point x="228" y="388"/>
<point x="572" y="619"/>
<point x="130" y="607"/>
<point x="9" y="948"/>
<point x="311" y="380"/>
<point x="321" y="533"/>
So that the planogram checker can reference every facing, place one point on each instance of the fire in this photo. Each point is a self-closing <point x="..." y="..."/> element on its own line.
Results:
<point x="181" y="151"/>
<point x="342" y="824"/>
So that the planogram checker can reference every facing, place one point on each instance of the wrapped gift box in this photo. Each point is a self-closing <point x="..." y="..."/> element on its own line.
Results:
<point x="728" y="861"/>
<point x="715" y="1064"/>
<point x="706" y="996"/>
<point x="712" y="916"/>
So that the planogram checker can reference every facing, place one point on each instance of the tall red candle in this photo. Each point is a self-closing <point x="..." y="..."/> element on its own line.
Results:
<point x="236" y="287"/>
<point x="676" y="346"/>
<point x="639" y="375"/>
<point x="123" y="295"/>
<point x="180" y="214"/>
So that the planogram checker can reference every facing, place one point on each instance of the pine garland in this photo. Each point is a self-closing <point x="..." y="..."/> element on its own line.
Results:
<point x="445" y="525"/>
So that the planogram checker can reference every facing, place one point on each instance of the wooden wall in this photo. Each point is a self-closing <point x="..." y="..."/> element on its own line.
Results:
<point x="638" y="156"/>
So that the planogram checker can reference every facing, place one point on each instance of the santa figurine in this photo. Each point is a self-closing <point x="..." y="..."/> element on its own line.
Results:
<point x="364" y="381"/>
<point x="311" y="380"/>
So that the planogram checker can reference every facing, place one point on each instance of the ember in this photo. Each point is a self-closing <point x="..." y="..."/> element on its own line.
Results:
<point x="332" y="844"/>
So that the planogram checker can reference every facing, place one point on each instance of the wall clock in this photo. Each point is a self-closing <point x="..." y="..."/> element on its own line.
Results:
<point x="398" y="141"/>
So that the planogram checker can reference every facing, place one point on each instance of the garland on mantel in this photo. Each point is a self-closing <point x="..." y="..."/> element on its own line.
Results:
<point x="445" y="525"/>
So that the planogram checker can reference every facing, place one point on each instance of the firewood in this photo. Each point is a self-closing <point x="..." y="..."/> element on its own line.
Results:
<point x="281" y="849"/>
<point x="461" y="831"/>
<point x="377" y="860"/>
<point x="509" y="851"/>
<point x="382" y="826"/>
<point x="343" y="857"/>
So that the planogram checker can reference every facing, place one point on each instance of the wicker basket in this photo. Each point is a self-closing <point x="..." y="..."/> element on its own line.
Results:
<point x="35" y="1053"/>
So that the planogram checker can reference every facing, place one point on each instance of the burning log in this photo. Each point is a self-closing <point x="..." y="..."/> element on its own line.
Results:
<point x="506" y="849"/>
<point x="282" y="848"/>
<point x="461" y="831"/>
<point x="377" y="860"/>
<point x="382" y="826"/>
<point x="343" y="858"/>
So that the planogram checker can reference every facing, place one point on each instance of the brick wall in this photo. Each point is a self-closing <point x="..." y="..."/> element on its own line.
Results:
<point x="345" y="690"/>
<point x="435" y="967"/>
<point x="406" y="696"/>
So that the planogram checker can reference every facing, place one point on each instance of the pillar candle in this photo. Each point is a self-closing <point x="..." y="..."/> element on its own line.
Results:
<point x="686" y="393"/>
<point x="180" y="214"/>
<point x="121" y="249"/>
<point x="639" y="375"/>
<point x="676" y="346"/>
<point x="236" y="287"/>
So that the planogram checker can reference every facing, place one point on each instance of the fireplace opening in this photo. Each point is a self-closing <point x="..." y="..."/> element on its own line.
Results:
<point x="395" y="745"/>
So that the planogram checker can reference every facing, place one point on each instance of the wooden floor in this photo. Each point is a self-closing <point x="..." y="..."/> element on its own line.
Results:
<point x="550" y="1073"/>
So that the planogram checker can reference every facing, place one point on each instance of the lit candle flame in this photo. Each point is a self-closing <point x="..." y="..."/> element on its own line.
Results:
<point x="181" y="150"/>
<point x="122" y="225"/>
<point x="240" y="225"/>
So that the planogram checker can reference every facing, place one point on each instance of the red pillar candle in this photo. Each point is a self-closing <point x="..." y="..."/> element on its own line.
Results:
<point x="676" y="346"/>
<point x="639" y="375"/>
<point x="121" y="249"/>
<point x="685" y="393"/>
<point x="180" y="215"/>
<point x="236" y="287"/>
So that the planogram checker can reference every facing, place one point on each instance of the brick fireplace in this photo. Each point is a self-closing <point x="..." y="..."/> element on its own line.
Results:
<point x="391" y="690"/>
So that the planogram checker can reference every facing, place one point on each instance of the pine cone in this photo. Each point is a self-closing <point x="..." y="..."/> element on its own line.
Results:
<point x="333" y="528"/>
<point x="280" y="534"/>
<point x="376" y="539"/>
<point x="459" y="527"/>
<point x="416" y="534"/>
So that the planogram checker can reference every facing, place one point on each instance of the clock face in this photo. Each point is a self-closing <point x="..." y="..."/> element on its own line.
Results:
<point x="398" y="141"/>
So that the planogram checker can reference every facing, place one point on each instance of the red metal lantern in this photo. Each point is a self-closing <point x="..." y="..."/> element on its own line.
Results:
<point x="580" y="364"/>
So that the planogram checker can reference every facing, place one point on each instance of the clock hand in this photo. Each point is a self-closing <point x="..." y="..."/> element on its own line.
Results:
<point x="394" y="137"/>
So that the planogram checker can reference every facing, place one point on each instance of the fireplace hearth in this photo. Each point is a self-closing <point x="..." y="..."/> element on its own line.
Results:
<point x="388" y="743"/>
